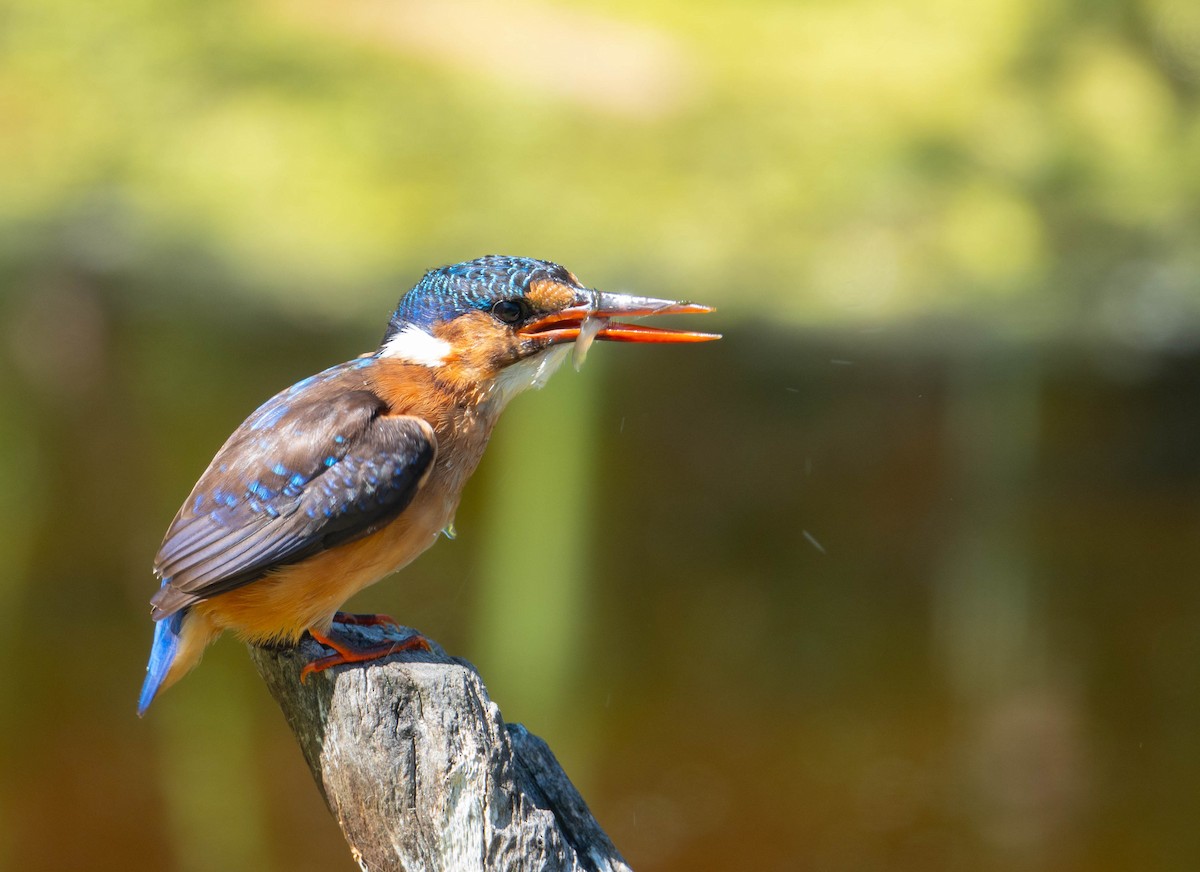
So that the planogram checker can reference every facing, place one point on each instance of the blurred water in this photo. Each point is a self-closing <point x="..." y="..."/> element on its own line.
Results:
<point x="989" y="666"/>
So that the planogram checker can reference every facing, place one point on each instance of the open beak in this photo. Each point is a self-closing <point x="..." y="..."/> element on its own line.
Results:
<point x="565" y="325"/>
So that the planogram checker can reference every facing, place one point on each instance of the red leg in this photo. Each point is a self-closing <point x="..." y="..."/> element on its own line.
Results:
<point x="353" y="620"/>
<point x="347" y="654"/>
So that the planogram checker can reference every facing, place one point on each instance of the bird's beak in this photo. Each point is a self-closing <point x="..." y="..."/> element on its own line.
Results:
<point x="592" y="316"/>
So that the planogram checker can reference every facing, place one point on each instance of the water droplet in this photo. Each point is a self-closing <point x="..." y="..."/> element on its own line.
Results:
<point x="812" y="540"/>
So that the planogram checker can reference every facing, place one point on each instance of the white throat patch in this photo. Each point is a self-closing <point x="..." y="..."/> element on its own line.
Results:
<point x="414" y="345"/>
<point x="532" y="372"/>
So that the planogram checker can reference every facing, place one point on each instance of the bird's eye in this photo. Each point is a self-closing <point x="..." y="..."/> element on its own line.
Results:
<point x="508" y="311"/>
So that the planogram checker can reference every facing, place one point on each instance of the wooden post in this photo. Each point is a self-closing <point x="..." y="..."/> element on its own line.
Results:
<point x="422" y="773"/>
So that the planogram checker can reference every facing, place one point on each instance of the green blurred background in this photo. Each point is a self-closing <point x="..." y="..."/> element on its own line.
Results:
<point x="898" y="576"/>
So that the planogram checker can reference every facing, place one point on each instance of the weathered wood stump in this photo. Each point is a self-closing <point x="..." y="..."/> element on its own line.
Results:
<point x="422" y="773"/>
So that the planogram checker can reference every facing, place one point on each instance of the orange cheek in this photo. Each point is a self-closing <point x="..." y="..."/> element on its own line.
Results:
<point x="480" y="345"/>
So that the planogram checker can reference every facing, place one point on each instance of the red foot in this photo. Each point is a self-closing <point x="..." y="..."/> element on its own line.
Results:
<point x="346" y="654"/>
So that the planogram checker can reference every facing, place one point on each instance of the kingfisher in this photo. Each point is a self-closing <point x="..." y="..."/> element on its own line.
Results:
<point x="349" y="474"/>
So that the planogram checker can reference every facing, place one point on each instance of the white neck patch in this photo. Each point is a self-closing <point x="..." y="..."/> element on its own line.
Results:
<point x="414" y="345"/>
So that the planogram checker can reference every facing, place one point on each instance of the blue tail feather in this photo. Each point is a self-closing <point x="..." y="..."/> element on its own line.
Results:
<point x="162" y="655"/>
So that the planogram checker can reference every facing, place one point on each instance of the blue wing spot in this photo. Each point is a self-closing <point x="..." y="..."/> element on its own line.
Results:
<point x="272" y="512"/>
<point x="339" y="439"/>
<point x="231" y="501"/>
<point x="198" y="503"/>
<point x="330" y="460"/>
<point x="298" y="480"/>
<point x="260" y="490"/>
<point x="279" y="469"/>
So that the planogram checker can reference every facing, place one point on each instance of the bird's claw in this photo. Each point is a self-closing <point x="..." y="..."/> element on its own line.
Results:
<point x="344" y="653"/>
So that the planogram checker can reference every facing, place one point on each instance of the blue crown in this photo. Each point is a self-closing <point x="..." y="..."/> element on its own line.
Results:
<point x="449" y="291"/>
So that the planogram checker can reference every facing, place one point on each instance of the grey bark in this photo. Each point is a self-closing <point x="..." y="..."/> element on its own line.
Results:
<point x="422" y="773"/>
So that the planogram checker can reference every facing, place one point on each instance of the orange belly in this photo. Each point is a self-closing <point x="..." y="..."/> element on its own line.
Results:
<point x="283" y="604"/>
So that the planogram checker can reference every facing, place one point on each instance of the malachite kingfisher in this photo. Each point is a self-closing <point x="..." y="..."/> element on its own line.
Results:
<point x="349" y="474"/>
